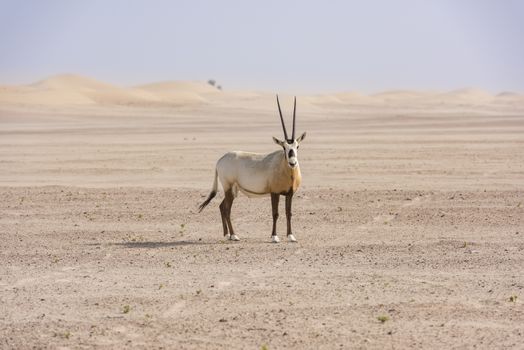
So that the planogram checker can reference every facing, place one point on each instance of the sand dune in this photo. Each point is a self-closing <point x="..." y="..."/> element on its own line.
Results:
<point x="460" y="97"/>
<point x="396" y="96"/>
<point x="342" y="98"/>
<point x="71" y="89"/>
<point x="72" y="82"/>
<point x="180" y="91"/>
<point x="509" y="98"/>
<point x="464" y="96"/>
<point x="34" y="97"/>
<point x="354" y="97"/>
<point x="96" y="91"/>
<point x="180" y="86"/>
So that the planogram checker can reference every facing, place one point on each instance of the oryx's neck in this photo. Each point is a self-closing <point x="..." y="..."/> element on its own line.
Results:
<point x="287" y="179"/>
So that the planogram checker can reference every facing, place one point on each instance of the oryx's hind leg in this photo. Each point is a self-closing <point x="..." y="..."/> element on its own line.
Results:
<point x="289" y="199"/>
<point x="223" y="215"/>
<point x="229" y="197"/>
<point x="274" y="208"/>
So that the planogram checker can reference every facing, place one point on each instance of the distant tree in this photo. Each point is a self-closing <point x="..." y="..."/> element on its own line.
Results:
<point x="219" y="87"/>
<point x="211" y="82"/>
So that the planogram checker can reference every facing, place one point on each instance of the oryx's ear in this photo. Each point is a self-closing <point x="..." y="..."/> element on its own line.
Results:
<point x="301" y="138"/>
<point x="278" y="142"/>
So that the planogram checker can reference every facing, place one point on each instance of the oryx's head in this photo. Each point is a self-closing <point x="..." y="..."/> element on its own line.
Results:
<point x="290" y="145"/>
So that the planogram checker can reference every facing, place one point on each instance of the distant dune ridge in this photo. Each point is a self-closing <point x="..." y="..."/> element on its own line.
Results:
<point x="71" y="89"/>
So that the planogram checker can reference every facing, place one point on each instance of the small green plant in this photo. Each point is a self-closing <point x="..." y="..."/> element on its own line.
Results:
<point x="198" y="292"/>
<point x="126" y="309"/>
<point x="383" y="318"/>
<point x="168" y="264"/>
<point x="63" y="335"/>
<point x="161" y="286"/>
<point x="264" y="347"/>
<point x="513" y="298"/>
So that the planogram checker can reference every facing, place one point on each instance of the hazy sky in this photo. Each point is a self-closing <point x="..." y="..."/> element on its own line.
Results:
<point x="294" y="46"/>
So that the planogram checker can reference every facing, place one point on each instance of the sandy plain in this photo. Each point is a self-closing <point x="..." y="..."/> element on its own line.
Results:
<point x="410" y="220"/>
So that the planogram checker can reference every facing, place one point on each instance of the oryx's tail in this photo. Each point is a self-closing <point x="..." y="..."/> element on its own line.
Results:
<point x="211" y="195"/>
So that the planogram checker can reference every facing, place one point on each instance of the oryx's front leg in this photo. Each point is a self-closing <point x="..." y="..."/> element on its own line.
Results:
<point x="289" y="199"/>
<point x="274" y="207"/>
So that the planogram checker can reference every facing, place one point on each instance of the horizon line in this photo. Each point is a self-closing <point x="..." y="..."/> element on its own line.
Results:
<point x="263" y="90"/>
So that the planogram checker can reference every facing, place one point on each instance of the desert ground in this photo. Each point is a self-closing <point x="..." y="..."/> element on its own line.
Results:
<point x="409" y="220"/>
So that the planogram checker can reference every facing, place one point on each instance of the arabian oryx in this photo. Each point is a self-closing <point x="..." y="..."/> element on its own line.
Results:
<point x="256" y="174"/>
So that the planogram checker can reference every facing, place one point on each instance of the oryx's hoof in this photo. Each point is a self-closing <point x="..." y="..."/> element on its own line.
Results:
<point x="275" y="239"/>
<point x="292" y="238"/>
<point x="234" y="237"/>
<point x="227" y="237"/>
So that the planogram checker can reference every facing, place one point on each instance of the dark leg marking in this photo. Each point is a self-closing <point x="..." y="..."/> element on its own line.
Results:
<point x="229" y="203"/>
<point x="289" y="198"/>
<point x="223" y="215"/>
<point x="274" y="206"/>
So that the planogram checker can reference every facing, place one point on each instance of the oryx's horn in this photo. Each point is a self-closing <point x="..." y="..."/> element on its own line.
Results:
<point x="282" y="119"/>
<point x="294" y="111"/>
